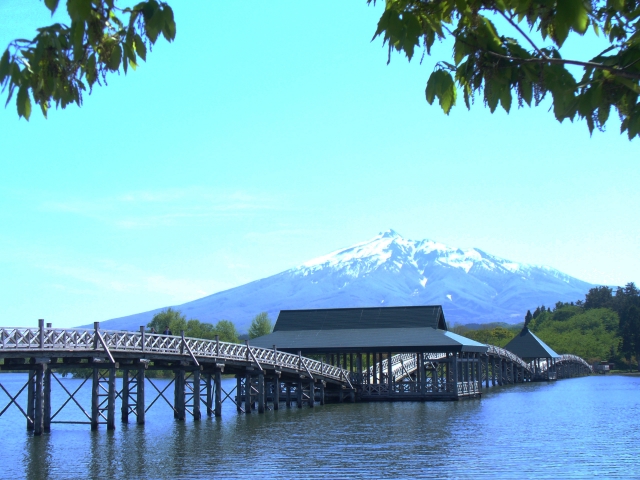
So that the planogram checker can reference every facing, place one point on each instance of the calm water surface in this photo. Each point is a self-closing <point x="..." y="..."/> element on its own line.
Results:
<point x="578" y="428"/>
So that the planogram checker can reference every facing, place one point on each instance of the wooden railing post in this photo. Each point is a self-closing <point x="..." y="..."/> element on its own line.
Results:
<point x="142" y="334"/>
<point x="41" y="332"/>
<point x="96" y="327"/>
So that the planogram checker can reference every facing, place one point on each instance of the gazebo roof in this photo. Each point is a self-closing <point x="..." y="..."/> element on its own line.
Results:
<point x="351" y="330"/>
<point x="527" y="345"/>
<point x="361" y="318"/>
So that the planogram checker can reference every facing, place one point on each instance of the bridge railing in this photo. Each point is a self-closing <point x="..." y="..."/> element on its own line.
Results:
<point x="112" y="341"/>
<point x="402" y="364"/>
<point x="506" y="354"/>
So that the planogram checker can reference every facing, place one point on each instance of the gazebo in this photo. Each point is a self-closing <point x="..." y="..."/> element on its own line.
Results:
<point x="531" y="349"/>
<point x="433" y="362"/>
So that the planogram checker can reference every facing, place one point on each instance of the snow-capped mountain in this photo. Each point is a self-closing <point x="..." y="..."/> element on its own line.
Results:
<point x="389" y="270"/>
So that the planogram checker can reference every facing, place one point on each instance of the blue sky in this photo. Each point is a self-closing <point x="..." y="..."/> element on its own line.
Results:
<point x="271" y="133"/>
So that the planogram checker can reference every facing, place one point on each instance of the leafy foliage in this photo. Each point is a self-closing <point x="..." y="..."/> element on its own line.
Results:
<point x="227" y="331"/>
<point x="590" y="334"/>
<point x="498" y="67"/>
<point x="177" y="322"/>
<point x="60" y="63"/>
<point x="498" y="336"/>
<point x="260" y="325"/>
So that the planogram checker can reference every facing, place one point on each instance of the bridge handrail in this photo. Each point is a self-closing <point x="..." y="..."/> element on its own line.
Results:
<point x="504" y="353"/>
<point x="567" y="358"/>
<point x="30" y="339"/>
<point x="403" y="360"/>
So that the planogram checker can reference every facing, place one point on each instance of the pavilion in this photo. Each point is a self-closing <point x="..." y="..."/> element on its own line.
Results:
<point x="435" y="363"/>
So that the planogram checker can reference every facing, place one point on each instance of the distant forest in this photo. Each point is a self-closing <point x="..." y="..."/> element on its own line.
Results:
<point x="605" y="326"/>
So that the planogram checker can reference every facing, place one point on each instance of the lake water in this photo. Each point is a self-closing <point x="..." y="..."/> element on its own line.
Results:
<point x="576" y="428"/>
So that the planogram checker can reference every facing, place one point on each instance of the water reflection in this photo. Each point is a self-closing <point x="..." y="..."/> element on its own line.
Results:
<point x="577" y="428"/>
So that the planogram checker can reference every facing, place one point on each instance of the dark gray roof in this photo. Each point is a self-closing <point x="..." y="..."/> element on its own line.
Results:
<point x="350" y="340"/>
<point x="526" y="345"/>
<point x="361" y="318"/>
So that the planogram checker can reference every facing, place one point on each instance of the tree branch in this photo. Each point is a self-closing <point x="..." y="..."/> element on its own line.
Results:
<point x="561" y="61"/>
<point x="515" y="25"/>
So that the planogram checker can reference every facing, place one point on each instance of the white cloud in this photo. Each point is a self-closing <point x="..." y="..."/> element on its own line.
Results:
<point x="146" y="208"/>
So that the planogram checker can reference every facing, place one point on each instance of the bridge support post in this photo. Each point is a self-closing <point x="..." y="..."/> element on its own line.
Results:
<point x="179" y="403"/>
<point x="247" y="393"/>
<point x="197" y="415"/>
<point x="299" y="392"/>
<point x="124" y="410"/>
<point x="312" y="393"/>
<point x="31" y="390"/>
<point x="322" y="384"/>
<point x="239" y="393"/>
<point x="95" y="398"/>
<point x="287" y="393"/>
<point x="261" y="395"/>
<point x="111" y="399"/>
<point x="209" y="398"/>
<point x="46" y="421"/>
<point x="39" y="404"/>
<point x="140" y="407"/>
<point x="276" y="392"/>
<point x="218" y="392"/>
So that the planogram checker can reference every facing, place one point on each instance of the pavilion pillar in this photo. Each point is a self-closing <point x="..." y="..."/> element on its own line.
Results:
<point x="390" y="379"/>
<point x="422" y="377"/>
<point x="454" y="361"/>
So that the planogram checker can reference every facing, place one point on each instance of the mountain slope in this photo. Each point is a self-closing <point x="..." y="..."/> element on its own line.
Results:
<point x="388" y="270"/>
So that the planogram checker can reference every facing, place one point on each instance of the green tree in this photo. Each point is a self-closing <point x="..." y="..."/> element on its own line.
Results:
<point x="62" y="61"/>
<point x="260" y="325"/>
<point x="227" y="331"/>
<point x="528" y="317"/>
<point x="630" y="330"/>
<point x="498" y="54"/>
<point x="168" y="318"/>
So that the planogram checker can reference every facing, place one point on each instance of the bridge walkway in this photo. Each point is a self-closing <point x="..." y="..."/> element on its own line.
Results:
<point x="262" y="375"/>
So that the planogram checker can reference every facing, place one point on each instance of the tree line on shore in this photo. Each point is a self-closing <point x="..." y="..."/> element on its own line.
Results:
<point x="226" y="330"/>
<point x="605" y="326"/>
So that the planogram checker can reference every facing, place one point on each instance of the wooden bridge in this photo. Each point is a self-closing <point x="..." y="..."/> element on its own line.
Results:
<point x="265" y="378"/>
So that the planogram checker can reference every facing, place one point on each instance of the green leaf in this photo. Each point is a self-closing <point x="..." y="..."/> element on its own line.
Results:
<point x="4" y="65"/>
<point x="141" y="48"/>
<point x="114" y="61"/>
<point x="432" y="86"/>
<point x="23" y="103"/>
<point x="526" y="90"/>
<point x="77" y="38"/>
<point x="505" y="98"/>
<point x="90" y="70"/>
<point x="169" y="27"/>
<point x="51" y="5"/>
<point x="603" y="114"/>
<point x="441" y="85"/>
<point x="79" y="10"/>
<point x="570" y="14"/>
